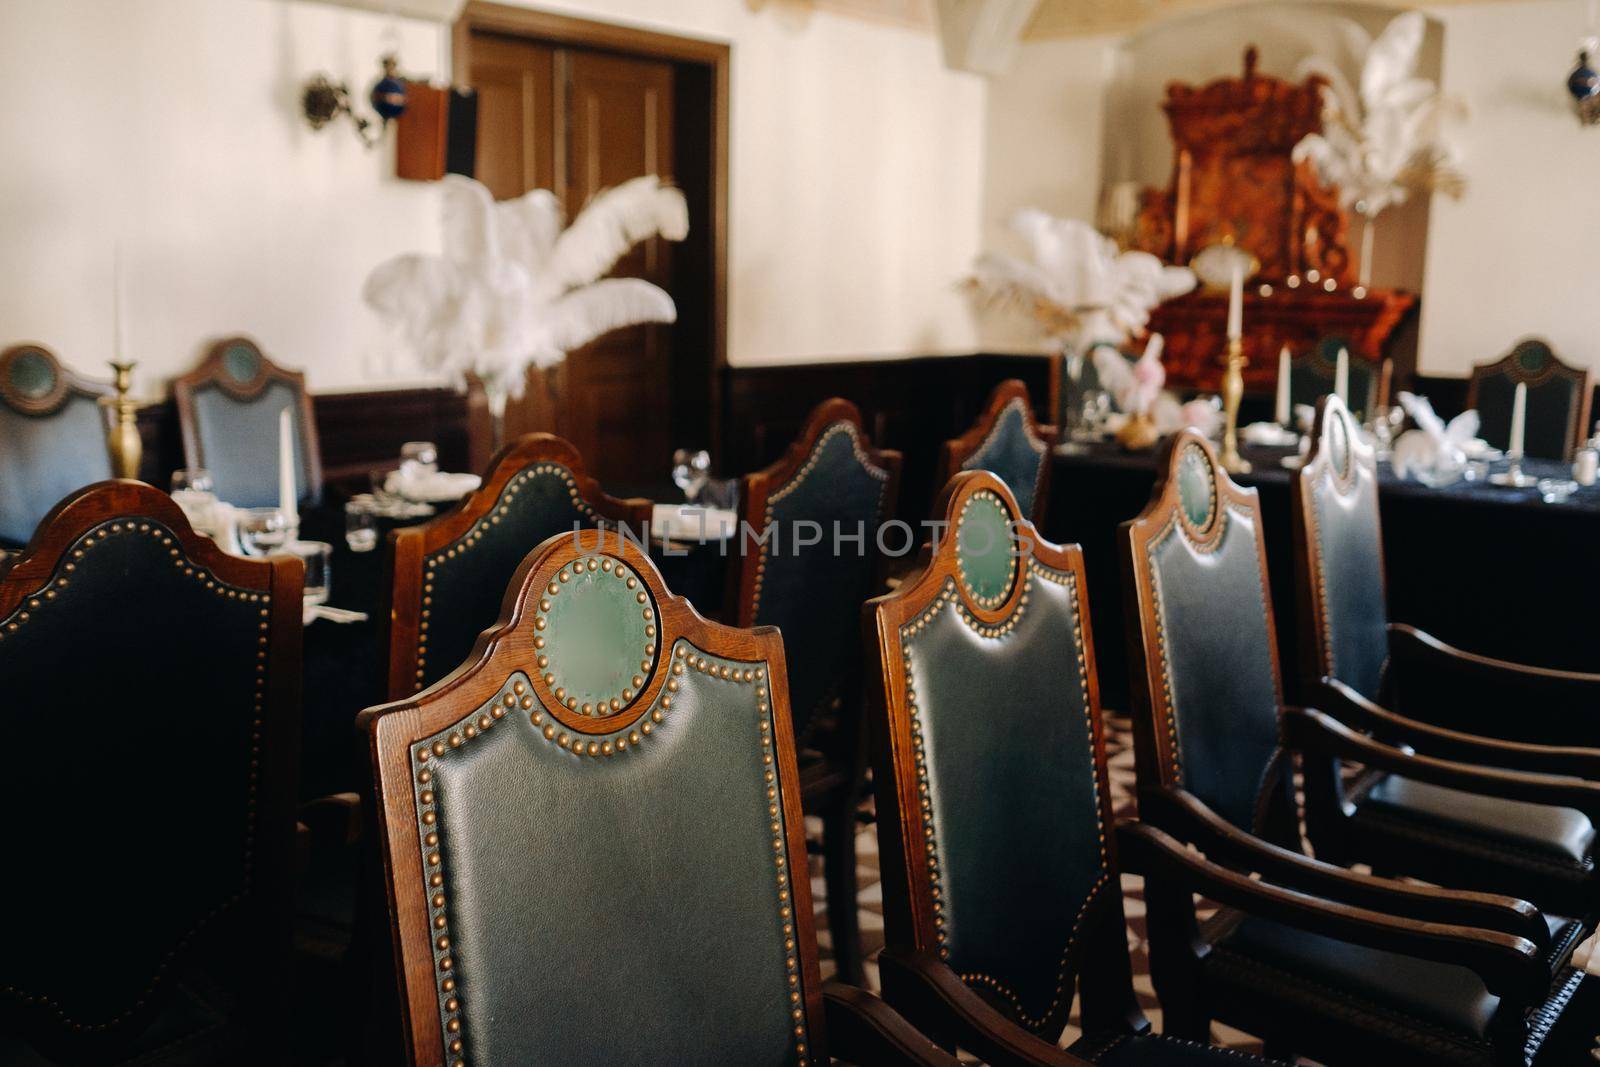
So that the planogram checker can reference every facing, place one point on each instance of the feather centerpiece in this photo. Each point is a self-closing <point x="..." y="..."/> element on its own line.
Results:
<point x="1385" y="141"/>
<point x="1077" y="287"/>
<point x="515" y="287"/>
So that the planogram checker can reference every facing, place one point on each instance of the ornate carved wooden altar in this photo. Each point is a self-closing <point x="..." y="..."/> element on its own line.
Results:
<point x="1234" y="179"/>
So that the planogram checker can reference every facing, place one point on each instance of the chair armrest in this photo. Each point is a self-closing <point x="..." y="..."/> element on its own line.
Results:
<point x="1309" y="730"/>
<point x="864" y="1030"/>
<point x="1564" y="704"/>
<point x="1187" y="818"/>
<point x="1357" y="712"/>
<point x="936" y="998"/>
<point x="1511" y="967"/>
<point x="333" y="820"/>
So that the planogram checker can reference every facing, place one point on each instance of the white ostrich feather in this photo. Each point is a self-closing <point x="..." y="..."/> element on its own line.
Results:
<point x="511" y="289"/>
<point x="1386" y="141"/>
<point x="1077" y="286"/>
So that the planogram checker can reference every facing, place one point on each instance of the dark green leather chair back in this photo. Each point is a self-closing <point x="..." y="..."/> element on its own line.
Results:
<point x="157" y="850"/>
<point x="1209" y="695"/>
<point x="1314" y="373"/>
<point x="1006" y="442"/>
<point x="831" y="480"/>
<point x="993" y="793"/>
<point x="594" y="835"/>
<point x="450" y="574"/>
<point x="1558" y="400"/>
<point x="1340" y="551"/>
<point x="229" y="408"/>
<point x="52" y="438"/>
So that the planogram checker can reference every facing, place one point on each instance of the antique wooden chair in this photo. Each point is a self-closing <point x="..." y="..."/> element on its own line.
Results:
<point x="1543" y="853"/>
<point x="817" y="513"/>
<point x="1314" y="373"/>
<point x="156" y="861"/>
<point x="1007" y="440"/>
<point x="228" y="408"/>
<point x="1330" y="964"/>
<point x="593" y="839"/>
<point x="449" y="575"/>
<point x="1558" y="399"/>
<point x="994" y="807"/>
<point x="52" y="437"/>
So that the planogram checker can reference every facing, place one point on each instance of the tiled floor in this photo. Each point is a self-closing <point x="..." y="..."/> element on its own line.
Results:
<point x="1119" y="751"/>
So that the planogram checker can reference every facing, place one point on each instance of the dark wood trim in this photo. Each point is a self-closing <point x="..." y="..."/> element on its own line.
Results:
<point x="509" y="646"/>
<point x="757" y="488"/>
<point x="958" y="450"/>
<point x="1508" y="366"/>
<point x="67" y="383"/>
<point x="211" y="372"/>
<point x="410" y="546"/>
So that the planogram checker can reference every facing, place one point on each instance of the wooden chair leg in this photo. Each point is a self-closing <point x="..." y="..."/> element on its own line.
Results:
<point x="839" y="872"/>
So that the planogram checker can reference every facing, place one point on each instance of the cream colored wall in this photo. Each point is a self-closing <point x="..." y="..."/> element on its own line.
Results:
<point x="171" y="126"/>
<point x="1516" y="255"/>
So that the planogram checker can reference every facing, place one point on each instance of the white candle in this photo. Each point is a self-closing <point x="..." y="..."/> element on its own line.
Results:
<point x="118" y="348"/>
<point x="288" y="502"/>
<point x="1519" y="418"/>
<point x="1341" y="377"/>
<point x="1236" y="299"/>
<point x="1280" y="410"/>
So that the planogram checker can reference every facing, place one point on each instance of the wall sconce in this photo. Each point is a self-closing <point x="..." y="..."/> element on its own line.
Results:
<point x="324" y="101"/>
<point x="1584" y="85"/>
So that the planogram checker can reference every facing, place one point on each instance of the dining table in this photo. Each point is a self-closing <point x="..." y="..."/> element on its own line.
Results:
<point x="1491" y="569"/>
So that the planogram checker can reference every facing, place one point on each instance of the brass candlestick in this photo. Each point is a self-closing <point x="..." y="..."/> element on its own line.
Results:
<point x="123" y="441"/>
<point x="1232" y="392"/>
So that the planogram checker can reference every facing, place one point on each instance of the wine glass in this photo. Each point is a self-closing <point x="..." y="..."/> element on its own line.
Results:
<point x="262" y="531"/>
<point x="690" y="472"/>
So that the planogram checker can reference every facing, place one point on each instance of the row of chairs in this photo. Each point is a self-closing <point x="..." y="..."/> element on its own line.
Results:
<point x="592" y="845"/>
<point x="53" y="428"/>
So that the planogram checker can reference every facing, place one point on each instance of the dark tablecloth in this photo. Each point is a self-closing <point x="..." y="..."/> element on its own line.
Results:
<point x="1490" y="569"/>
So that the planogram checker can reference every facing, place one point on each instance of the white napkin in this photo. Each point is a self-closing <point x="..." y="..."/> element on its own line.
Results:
<point x="687" y="522"/>
<point x="1268" y="435"/>
<point x="1433" y="439"/>
<point x="430" y="487"/>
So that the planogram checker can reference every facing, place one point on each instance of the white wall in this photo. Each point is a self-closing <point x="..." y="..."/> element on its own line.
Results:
<point x="1516" y="255"/>
<point x="171" y="127"/>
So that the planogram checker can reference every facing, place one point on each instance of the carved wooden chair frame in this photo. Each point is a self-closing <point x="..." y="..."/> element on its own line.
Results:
<point x="1510" y="366"/>
<point x="1012" y="392"/>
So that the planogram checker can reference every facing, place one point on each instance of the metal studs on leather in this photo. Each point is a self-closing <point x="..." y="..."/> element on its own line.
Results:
<point x="1217" y="652"/>
<point x="239" y="442"/>
<point x="1012" y="455"/>
<point x="44" y="458"/>
<point x="469" y="577"/>
<point x="1350" y="543"/>
<point x="813" y="593"/>
<point x="134" y="686"/>
<point x="1008" y="754"/>
<point x="628" y="906"/>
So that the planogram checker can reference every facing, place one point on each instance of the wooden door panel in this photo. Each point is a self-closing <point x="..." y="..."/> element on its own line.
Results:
<point x="516" y="86"/>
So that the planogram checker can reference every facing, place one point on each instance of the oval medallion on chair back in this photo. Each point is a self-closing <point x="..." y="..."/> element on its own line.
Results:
<point x="229" y="408"/>
<point x="1340" y="552"/>
<point x="157" y="681"/>
<point x="801" y="579"/>
<point x="1558" y="399"/>
<point x="450" y="574"/>
<point x="1006" y="442"/>
<point x="1002" y="808"/>
<point x="1202" y="625"/>
<point x="594" y="833"/>
<point x="52" y="438"/>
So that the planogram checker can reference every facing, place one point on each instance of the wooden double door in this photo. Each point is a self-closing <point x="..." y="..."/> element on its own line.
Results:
<point x="577" y="121"/>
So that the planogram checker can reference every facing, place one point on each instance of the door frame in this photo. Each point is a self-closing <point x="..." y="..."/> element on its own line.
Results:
<point x="707" y="65"/>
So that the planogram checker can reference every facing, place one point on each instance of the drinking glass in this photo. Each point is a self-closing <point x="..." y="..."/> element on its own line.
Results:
<point x="316" y="555"/>
<point x="690" y="472"/>
<point x="361" y="524"/>
<point x="193" y="492"/>
<point x="262" y="531"/>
